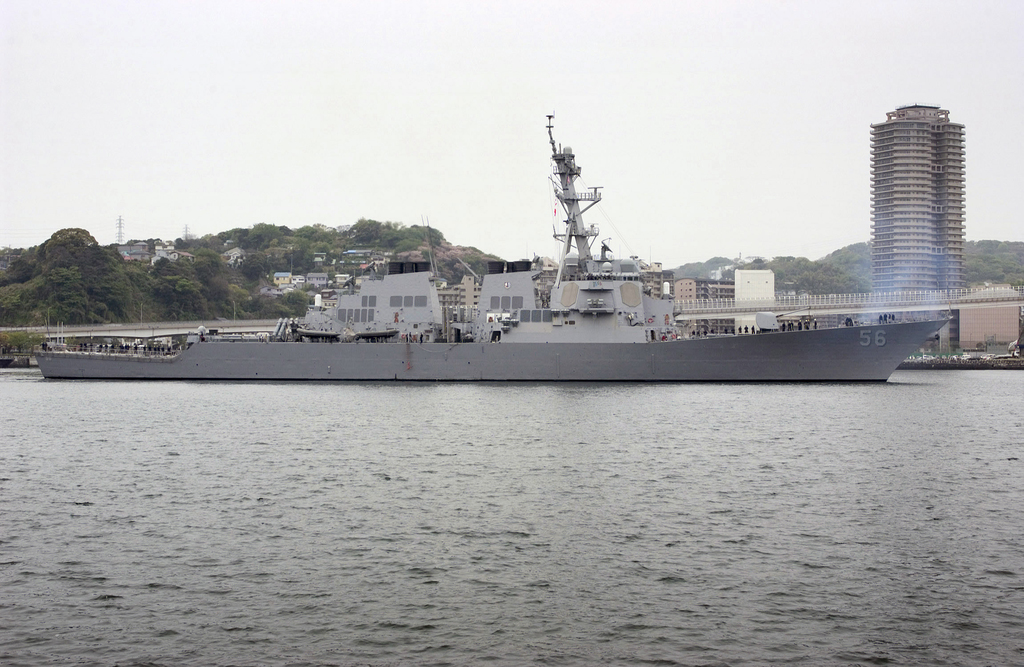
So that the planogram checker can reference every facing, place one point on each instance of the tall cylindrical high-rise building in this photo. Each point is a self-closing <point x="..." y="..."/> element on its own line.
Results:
<point x="917" y="200"/>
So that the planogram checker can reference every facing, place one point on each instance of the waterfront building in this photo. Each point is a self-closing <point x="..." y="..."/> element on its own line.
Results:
<point x="458" y="301"/>
<point x="989" y="329"/>
<point x="754" y="285"/>
<point x="653" y="277"/>
<point x="917" y="200"/>
<point x="690" y="289"/>
<point x="464" y="294"/>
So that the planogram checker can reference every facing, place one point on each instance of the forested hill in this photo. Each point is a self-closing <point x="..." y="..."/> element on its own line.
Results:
<point x="848" y="270"/>
<point x="72" y="279"/>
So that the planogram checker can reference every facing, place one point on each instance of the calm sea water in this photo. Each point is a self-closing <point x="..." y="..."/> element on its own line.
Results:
<point x="166" y="524"/>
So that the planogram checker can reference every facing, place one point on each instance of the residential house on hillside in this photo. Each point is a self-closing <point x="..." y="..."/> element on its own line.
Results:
<point x="329" y="298"/>
<point x="135" y="252"/>
<point x="6" y="259"/>
<point x="169" y="253"/>
<point x="318" y="280"/>
<point x="282" y="278"/>
<point x="233" y="257"/>
<point x="356" y="255"/>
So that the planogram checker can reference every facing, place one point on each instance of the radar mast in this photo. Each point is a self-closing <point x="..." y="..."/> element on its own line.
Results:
<point x="576" y="234"/>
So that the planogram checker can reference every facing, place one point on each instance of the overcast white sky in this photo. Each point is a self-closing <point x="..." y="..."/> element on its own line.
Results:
<point x="715" y="128"/>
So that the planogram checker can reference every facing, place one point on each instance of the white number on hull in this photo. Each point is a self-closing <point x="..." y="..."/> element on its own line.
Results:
<point x="865" y="338"/>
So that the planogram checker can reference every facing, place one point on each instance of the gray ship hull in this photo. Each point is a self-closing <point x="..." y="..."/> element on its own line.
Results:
<point x="859" y="353"/>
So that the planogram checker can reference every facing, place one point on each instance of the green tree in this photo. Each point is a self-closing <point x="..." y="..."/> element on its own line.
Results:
<point x="236" y="236"/>
<point x="20" y="270"/>
<point x="261" y="235"/>
<point x="15" y="305"/>
<point x="255" y="266"/>
<point x="67" y="247"/>
<point x="212" y="273"/>
<point x="64" y="293"/>
<point x="20" y="341"/>
<point x="366" y="232"/>
<point x="176" y="292"/>
<point x="317" y="234"/>
<point x="82" y="281"/>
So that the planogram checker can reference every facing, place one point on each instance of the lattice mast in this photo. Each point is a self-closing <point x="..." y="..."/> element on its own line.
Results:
<point x="576" y="234"/>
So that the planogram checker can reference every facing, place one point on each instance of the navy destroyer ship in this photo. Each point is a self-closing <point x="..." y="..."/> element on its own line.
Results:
<point x="595" y="322"/>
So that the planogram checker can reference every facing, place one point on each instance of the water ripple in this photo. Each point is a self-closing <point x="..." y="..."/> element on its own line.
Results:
<point x="175" y="524"/>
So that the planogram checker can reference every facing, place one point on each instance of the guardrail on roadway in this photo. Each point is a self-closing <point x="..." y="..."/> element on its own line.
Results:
<point x="977" y="297"/>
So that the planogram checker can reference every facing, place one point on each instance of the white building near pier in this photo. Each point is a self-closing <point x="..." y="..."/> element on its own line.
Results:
<point x="754" y="285"/>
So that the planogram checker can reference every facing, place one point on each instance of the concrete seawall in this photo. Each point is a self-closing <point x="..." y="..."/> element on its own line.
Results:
<point x="19" y="361"/>
<point x="963" y="365"/>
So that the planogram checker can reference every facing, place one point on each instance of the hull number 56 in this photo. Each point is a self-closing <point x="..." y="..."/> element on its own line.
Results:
<point x="866" y="338"/>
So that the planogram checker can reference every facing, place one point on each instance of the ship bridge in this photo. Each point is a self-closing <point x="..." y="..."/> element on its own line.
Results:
<point x="845" y="304"/>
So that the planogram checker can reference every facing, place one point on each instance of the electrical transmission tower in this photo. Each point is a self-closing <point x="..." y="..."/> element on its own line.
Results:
<point x="120" y="230"/>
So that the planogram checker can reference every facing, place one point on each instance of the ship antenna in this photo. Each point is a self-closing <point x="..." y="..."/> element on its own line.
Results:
<point x="430" y="248"/>
<point x="551" y="117"/>
<point x="565" y="248"/>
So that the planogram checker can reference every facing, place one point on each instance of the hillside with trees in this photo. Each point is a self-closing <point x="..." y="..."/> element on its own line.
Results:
<point x="848" y="270"/>
<point x="994" y="262"/>
<point x="72" y="279"/>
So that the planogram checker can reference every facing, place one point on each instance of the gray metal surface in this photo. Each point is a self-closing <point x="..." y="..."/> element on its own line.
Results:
<point x="865" y="353"/>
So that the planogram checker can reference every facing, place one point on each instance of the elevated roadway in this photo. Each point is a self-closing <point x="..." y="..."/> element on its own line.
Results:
<point x="844" y="304"/>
